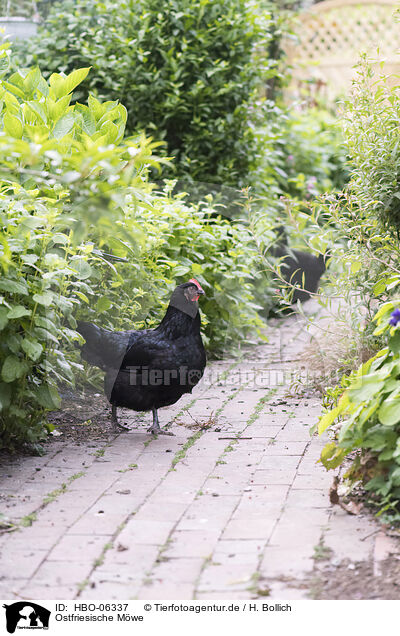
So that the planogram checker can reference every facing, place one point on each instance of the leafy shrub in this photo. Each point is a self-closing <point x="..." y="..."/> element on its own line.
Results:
<point x="186" y="73"/>
<point x="372" y="132"/>
<point x="71" y="192"/>
<point x="369" y="413"/>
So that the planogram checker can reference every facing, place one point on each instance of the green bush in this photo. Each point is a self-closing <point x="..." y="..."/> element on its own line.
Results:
<point x="186" y="71"/>
<point x="71" y="192"/>
<point x="372" y="132"/>
<point x="369" y="413"/>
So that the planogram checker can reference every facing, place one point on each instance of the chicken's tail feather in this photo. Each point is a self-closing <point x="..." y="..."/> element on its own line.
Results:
<point x="104" y="349"/>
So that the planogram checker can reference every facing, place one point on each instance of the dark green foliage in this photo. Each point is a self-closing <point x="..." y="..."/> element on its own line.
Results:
<point x="184" y="70"/>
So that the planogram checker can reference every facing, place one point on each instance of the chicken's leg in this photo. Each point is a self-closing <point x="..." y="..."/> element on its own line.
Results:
<point x="155" y="427"/>
<point x="114" y="421"/>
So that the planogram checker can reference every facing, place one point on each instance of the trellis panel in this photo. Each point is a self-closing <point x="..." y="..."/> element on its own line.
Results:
<point x="331" y="35"/>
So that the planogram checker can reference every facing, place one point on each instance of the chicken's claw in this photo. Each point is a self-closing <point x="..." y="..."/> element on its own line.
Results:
<point x="155" y="430"/>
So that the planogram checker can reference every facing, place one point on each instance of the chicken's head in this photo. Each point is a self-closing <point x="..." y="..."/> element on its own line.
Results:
<point x="185" y="297"/>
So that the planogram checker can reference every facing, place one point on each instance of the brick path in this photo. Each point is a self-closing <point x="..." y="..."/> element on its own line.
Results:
<point x="236" y="510"/>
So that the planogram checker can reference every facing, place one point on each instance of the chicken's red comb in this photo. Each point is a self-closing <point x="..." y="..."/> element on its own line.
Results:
<point x="195" y="282"/>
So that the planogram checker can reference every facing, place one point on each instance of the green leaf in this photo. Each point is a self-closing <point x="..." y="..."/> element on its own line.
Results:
<point x="332" y="456"/>
<point x="82" y="268"/>
<point x="394" y="343"/>
<point x="365" y="387"/>
<point x="14" y="286"/>
<point x="64" y="125"/>
<point x="355" y="267"/>
<point x="379" y="287"/>
<point x="389" y="413"/>
<point x="47" y="396"/>
<point x="18" y="311"/>
<point x="12" y="126"/>
<point x="103" y="304"/>
<point x="13" y="368"/>
<point x="3" y="317"/>
<point x="62" y="86"/>
<point x="32" y="80"/>
<point x="75" y="78"/>
<point x="327" y="419"/>
<point x="32" y="348"/>
<point x="46" y="298"/>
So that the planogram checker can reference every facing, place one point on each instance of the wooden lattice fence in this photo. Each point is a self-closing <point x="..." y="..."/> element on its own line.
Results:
<point x="330" y="37"/>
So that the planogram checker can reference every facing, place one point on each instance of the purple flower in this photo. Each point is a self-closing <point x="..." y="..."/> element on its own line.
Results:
<point x="394" y="317"/>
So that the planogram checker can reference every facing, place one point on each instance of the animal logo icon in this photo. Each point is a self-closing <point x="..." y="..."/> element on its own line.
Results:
<point x="26" y="615"/>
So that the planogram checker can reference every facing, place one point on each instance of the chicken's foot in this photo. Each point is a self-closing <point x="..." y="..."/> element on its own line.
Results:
<point x="114" y="420"/>
<point x="155" y="427"/>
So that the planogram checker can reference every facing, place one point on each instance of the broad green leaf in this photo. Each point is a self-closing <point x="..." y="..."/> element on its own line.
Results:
<point x="18" y="311"/>
<point x="58" y="108"/>
<point x="394" y="343"/>
<point x="14" y="286"/>
<point x="32" y="80"/>
<point x="3" y="317"/>
<point x="45" y="298"/>
<point x="379" y="287"/>
<point x="13" y="368"/>
<point x="62" y="86"/>
<point x="365" y="387"/>
<point x="64" y="125"/>
<point x="47" y="396"/>
<point x="389" y="413"/>
<point x="332" y="456"/>
<point x="103" y="304"/>
<point x="75" y="78"/>
<point x="32" y="349"/>
<point x="96" y="108"/>
<point x="82" y="268"/>
<point x="12" y="125"/>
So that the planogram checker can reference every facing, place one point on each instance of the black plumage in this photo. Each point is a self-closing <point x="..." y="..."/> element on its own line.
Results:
<point x="151" y="368"/>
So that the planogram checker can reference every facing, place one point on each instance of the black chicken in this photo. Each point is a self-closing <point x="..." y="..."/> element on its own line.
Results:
<point x="301" y="269"/>
<point x="154" y="367"/>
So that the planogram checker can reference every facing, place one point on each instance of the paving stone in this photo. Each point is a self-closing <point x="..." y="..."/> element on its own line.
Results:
<point x="307" y="498"/>
<point x="239" y="546"/>
<point x="241" y="529"/>
<point x="293" y="562"/>
<point x="168" y="591"/>
<point x="271" y="477"/>
<point x="33" y="592"/>
<point x="177" y="570"/>
<point x="110" y="591"/>
<point x="62" y="573"/>
<point x="279" y="462"/>
<point x="192" y="543"/>
<point x="78" y="548"/>
<point x="146" y="532"/>
<point x="227" y="576"/>
<point x="281" y="591"/>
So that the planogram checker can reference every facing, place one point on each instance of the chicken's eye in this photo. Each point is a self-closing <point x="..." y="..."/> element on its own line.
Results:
<point x="191" y="294"/>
